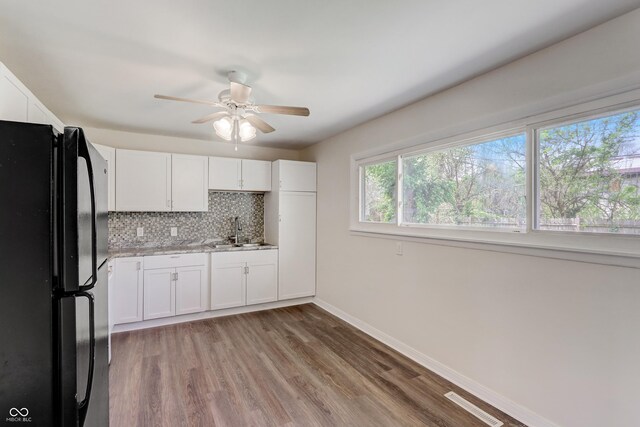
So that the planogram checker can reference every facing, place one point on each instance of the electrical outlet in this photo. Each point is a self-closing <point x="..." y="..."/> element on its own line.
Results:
<point x="398" y="248"/>
<point x="174" y="231"/>
<point x="140" y="231"/>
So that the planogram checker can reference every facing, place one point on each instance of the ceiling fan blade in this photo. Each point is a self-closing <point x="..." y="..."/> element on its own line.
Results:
<point x="210" y="117"/>
<point x="240" y="93"/>
<point x="280" y="109"/>
<point x="195" y="101"/>
<point x="259" y="124"/>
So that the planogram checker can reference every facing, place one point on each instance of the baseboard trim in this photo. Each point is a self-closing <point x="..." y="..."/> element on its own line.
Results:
<point x="507" y="406"/>
<point x="124" y="327"/>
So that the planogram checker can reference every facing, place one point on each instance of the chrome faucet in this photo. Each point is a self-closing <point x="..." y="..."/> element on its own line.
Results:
<point x="237" y="229"/>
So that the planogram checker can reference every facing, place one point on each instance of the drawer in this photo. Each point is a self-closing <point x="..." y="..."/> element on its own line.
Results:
<point x="263" y="256"/>
<point x="171" y="261"/>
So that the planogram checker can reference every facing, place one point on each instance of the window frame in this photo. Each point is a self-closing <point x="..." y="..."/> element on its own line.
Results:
<point x="462" y="143"/>
<point x="535" y="155"/>
<point x="361" y="165"/>
<point x="551" y="243"/>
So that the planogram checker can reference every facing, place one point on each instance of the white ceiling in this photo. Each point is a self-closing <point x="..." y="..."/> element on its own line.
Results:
<point x="98" y="63"/>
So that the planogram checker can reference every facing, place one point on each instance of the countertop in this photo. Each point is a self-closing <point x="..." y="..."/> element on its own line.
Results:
<point x="184" y="248"/>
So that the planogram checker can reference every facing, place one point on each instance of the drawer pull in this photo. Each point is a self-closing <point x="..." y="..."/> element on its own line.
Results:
<point x="175" y="256"/>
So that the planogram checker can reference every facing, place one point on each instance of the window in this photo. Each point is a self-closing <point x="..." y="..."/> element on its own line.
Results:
<point x="567" y="180"/>
<point x="378" y="192"/>
<point x="588" y="175"/>
<point x="479" y="185"/>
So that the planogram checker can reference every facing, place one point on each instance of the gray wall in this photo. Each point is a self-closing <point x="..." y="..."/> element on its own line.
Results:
<point x="557" y="337"/>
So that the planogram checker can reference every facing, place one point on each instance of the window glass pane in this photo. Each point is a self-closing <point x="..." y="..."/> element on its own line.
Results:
<point x="481" y="185"/>
<point x="379" y="192"/>
<point x="589" y="176"/>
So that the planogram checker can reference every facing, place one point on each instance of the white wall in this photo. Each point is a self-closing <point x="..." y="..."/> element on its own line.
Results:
<point x="559" y="338"/>
<point x="170" y="144"/>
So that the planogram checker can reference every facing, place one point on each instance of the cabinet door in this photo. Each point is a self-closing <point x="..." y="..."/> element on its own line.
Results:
<point x="262" y="276"/>
<point x="224" y="173"/>
<point x="143" y="181"/>
<point x="14" y="102"/>
<point x="125" y="290"/>
<point x="296" y="176"/>
<point x="228" y="281"/>
<point x="191" y="288"/>
<point x="256" y="175"/>
<point x="37" y="113"/>
<point x="189" y="183"/>
<point x="159" y="293"/>
<point x="297" y="245"/>
<point x="109" y="154"/>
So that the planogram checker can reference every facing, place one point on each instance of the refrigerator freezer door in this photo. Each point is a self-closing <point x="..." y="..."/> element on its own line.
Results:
<point x="82" y="190"/>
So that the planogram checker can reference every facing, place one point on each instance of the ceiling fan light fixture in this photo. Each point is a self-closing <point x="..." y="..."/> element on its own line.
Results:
<point x="224" y="128"/>
<point x="247" y="132"/>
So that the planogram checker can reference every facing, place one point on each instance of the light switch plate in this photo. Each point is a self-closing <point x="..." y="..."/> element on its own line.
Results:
<point x="174" y="231"/>
<point x="140" y="231"/>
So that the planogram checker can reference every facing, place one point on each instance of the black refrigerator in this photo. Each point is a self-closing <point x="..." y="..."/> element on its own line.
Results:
<point x="53" y="278"/>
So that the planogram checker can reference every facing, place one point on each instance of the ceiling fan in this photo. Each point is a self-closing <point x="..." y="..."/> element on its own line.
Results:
<point x="238" y="120"/>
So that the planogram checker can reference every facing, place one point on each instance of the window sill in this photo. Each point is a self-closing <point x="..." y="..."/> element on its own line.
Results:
<point x="622" y="251"/>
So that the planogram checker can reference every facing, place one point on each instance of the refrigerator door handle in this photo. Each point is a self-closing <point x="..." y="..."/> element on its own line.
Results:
<point x="83" y="151"/>
<point x="84" y="405"/>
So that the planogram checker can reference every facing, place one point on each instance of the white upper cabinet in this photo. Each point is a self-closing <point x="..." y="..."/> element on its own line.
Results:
<point x="225" y="173"/>
<point x="37" y="114"/>
<point x="289" y="175"/>
<point x="256" y="175"/>
<point x="143" y="181"/>
<point x="229" y="174"/>
<point x="109" y="154"/>
<point x="189" y="183"/>
<point x="18" y="104"/>
<point x="14" y="102"/>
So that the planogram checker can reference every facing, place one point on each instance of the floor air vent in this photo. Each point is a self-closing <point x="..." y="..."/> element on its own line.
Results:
<point x="470" y="407"/>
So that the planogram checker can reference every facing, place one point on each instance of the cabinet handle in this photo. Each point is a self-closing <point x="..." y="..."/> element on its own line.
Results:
<point x="280" y="183"/>
<point x="138" y="266"/>
<point x="174" y="277"/>
<point x="175" y="256"/>
<point x="169" y="203"/>
<point x="279" y="218"/>
<point x="246" y="270"/>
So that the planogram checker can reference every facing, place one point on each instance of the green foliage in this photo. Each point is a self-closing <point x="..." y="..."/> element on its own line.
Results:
<point x="380" y="192"/>
<point x="579" y="170"/>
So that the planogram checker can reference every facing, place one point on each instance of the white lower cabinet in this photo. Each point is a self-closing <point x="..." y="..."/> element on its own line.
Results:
<point x="227" y="281"/>
<point x="159" y="286"/>
<point x="159" y="293"/>
<point x="191" y="289"/>
<point x="174" y="285"/>
<point x="262" y="276"/>
<point x="126" y="291"/>
<point x="243" y="278"/>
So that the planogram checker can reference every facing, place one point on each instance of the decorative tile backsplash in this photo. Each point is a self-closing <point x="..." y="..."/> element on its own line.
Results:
<point x="218" y="222"/>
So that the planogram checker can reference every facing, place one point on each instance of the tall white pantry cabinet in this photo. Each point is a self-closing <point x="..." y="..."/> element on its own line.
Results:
<point x="290" y="223"/>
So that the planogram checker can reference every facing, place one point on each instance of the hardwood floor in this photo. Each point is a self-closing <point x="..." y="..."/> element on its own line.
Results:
<point x="294" y="366"/>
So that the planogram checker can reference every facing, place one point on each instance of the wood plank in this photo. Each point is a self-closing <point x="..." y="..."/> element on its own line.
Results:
<point x="284" y="367"/>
